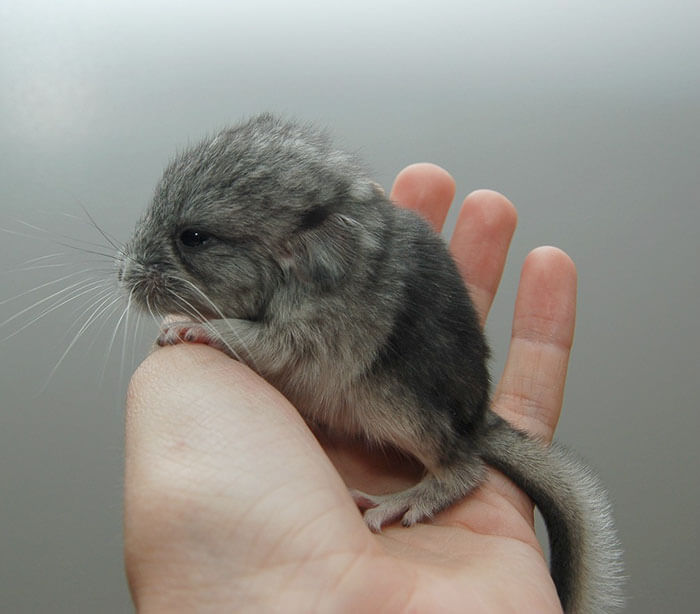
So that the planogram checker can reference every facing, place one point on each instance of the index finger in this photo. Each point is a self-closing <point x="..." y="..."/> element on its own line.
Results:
<point x="427" y="189"/>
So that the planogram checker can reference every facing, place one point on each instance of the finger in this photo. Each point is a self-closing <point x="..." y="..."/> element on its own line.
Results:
<point x="480" y="244"/>
<point x="426" y="188"/>
<point x="531" y="390"/>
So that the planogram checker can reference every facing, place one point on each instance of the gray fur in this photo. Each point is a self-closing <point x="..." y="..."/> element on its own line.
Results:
<point x="353" y="308"/>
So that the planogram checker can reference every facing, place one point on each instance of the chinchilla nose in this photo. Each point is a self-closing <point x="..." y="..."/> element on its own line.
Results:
<point x="129" y="269"/>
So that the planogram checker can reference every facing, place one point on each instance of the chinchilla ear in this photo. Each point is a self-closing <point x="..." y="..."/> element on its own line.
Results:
<point x="326" y="253"/>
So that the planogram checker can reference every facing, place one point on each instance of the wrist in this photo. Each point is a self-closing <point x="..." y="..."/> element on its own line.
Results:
<point x="341" y="582"/>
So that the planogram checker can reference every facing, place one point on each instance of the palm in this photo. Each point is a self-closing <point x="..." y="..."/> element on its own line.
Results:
<point x="482" y="552"/>
<point x="230" y="499"/>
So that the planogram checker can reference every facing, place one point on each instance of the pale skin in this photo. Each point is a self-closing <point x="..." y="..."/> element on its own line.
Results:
<point x="232" y="504"/>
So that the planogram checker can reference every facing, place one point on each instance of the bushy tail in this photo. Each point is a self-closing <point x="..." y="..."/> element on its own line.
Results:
<point x="586" y="560"/>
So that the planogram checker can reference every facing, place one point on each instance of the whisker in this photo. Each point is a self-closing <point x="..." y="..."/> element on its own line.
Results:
<point x="126" y="336"/>
<point x="114" y="244"/>
<point x="103" y="295"/>
<point x="113" y="306"/>
<point x="72" y="216"/>
<point x="118" y="324"/>
<point x="193" y="312"/>
<point x="221" y="338"/>
<point x="111" y="239"/>
<point x="56" y="265"/>
<point x="204" y="296"/>
<point x="188" y="309"/>
<point x="44" y="285"/>
<point x="51" y="309"/>
<point x="24" y="235"/>
<point x="108" y="351"/>
<point x="136" y="336"/>
<point x="46" y="257"/>
<point x="36" y="267"/>
<point x="52" y="234"/>
<point x="84" y="282"/>
<point x="97" y="311"/>
<point x="225" y="319"/>
<point x="156" y="318"/>
<point x="91" y="251"/>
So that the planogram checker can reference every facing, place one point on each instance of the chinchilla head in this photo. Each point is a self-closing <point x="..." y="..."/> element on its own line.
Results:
<point x="255" y="210"/>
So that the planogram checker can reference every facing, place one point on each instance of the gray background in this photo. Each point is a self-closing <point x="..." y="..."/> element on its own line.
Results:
<point x="586" y="115"/>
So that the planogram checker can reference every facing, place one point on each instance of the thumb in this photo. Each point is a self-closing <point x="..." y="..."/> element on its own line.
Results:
<point x="222" y="475"/>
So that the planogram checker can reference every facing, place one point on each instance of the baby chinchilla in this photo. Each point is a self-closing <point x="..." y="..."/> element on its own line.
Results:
<point x="285" y="255"/>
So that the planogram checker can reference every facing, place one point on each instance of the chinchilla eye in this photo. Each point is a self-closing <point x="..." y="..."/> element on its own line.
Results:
<point x="194" y="238"/>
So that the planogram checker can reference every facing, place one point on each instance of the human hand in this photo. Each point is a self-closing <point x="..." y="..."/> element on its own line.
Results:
<point x="231" y="503"/>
